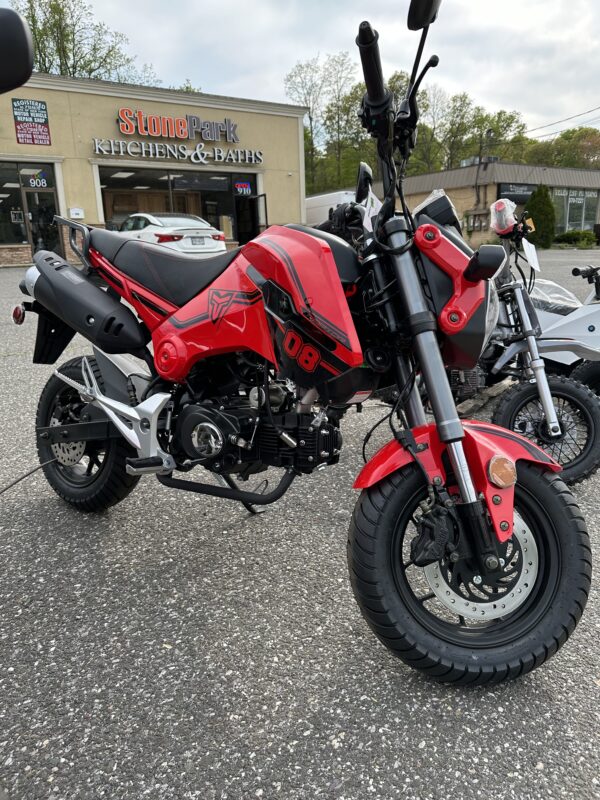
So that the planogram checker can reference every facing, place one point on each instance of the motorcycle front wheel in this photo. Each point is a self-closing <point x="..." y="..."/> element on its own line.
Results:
<point x="577" y="448"/>
<point x="446" y="620"/>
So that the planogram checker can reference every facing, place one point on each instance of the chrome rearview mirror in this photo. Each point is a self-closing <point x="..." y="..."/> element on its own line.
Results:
<point x="422" y="13"/>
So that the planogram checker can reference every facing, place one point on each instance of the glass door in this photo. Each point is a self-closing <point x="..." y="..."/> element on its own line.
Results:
<point x="40" y="208"/>
<point x="251" y="216"/>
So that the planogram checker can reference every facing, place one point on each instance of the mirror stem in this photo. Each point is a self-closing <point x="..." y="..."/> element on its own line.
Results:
<point x="417" y="63"/>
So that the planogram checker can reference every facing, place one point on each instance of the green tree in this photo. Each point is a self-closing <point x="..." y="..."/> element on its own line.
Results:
<point x="187" y="86"/>
<point x="541" y="210"/>
<point x="67" y="40"/>
<point x="578" y="147"/>
<point x="455" y="129"/>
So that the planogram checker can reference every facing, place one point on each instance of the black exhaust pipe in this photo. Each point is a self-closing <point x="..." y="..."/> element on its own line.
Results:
<point x="72" y="297"/>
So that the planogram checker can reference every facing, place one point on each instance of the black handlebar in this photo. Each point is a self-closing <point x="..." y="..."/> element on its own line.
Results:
<point x="367" y="41"/>
<point x="589" y="272"/>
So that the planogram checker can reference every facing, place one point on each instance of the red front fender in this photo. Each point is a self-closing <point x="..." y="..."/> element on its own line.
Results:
<point x="481" y="442"/>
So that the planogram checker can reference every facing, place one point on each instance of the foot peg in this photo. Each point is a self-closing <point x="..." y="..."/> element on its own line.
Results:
<point x="145" y="466"/>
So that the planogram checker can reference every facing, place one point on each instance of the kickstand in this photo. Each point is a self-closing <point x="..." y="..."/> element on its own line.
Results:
<point x="248" y="506"/>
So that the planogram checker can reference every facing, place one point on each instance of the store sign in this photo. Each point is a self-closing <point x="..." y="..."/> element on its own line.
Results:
<point x="243" y="187"/>
<point x="132" y="122"/>
<point x="31" y="121"/>
<point x="517" y="192"/>
<point x="200" y="154"/>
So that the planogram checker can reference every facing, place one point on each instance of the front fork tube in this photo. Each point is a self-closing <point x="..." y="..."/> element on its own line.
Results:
<point x="537" y="366"/>
<point x="430" y="359"/>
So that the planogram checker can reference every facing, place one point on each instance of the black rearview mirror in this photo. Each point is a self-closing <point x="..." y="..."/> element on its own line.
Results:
<point x="16" y="50"/>
<point x="364" y="181"/>
<point x="422" y="13"/>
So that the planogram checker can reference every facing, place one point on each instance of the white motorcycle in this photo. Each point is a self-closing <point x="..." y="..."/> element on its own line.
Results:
<point x="562" y="315"/>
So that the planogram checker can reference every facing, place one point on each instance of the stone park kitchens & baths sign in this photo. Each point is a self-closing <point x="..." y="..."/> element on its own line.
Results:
<point x="185" y="131"/>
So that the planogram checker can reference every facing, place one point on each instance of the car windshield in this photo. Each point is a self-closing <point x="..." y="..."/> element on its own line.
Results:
<point x="182" y="221"/>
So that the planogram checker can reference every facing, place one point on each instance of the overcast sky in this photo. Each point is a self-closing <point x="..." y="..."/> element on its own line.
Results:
<point x="540" y="57"/>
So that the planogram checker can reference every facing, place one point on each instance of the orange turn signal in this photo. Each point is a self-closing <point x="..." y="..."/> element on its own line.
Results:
<point x="502" y="472"/>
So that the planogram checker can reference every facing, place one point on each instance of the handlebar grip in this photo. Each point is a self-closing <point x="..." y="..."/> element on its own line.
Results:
<point x="367" y="41"/>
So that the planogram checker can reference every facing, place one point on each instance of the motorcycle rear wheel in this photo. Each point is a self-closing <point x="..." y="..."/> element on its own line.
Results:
<point x="91" y="476"/>
<point x="399" y="603"/>
<point x="578" y="410"/>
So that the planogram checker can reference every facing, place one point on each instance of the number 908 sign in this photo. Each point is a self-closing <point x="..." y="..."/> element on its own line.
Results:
<point x="38" y="183"/>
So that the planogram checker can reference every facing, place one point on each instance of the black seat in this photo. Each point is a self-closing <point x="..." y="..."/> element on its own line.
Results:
<point x="176" y="277"/>
<point x="344" y="255"/>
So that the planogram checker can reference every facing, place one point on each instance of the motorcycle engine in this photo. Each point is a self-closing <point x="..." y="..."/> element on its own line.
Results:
<point x="240" y="438"/>
<point x="466" y="383"/>
<point x="206" y="433"/>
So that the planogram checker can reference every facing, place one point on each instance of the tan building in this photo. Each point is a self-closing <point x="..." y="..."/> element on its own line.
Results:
<point x="96" y="151"/>
<point x="473" y="189"/>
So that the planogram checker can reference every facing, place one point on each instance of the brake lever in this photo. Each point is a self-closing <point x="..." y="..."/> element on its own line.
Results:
<point x="407" y="117"/>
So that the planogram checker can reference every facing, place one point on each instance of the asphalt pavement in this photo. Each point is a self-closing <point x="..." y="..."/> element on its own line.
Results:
<point x="175" y="647"/>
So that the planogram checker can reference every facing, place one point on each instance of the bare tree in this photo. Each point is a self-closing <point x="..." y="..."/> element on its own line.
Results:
<point x="304" y="84"/>
<point x="339" y="72"/>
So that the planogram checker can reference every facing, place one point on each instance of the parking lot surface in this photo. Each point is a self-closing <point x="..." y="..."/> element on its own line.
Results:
<point x="175" y="647"/>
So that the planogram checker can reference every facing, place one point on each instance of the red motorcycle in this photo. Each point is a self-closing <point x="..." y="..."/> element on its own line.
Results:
<point x="468" y="555"/>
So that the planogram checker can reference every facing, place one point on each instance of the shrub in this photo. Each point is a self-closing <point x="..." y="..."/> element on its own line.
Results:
<point x="541" y="209"/>
<point x="582" y="239"/>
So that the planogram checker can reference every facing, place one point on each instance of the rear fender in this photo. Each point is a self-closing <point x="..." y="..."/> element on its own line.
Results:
<point x="482" y="441"/>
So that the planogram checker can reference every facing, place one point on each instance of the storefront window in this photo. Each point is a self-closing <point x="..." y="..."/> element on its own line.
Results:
<point x="591" y="210"/>
<point x="36" y="176"/>
<point x="560" y="199"/>
<point x="227" y="202"/>
<point x="28" y="206"/>
<point x="13" y="229"/>
<point x="576" y="203"/>
<point x="576" y="209"/>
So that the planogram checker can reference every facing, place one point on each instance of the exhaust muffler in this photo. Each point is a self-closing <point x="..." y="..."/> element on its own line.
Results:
<point x="71" y="297"/>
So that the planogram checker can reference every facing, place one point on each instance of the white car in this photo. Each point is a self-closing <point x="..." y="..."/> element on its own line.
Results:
<point x="184" y="232"/>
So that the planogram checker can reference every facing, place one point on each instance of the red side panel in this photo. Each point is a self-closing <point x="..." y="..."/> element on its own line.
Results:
<point x="230" y="314"/>
<point x="226" y="317"/>
<point x="481" y="442"/>
<point x="467" y="296"/>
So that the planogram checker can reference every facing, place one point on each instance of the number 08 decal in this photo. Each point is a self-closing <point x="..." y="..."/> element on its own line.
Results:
<point x="306" y="356"/>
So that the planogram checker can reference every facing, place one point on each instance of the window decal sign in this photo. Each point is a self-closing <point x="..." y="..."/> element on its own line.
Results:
<point x="243" y="187"/>
<point x="31" y="121"/>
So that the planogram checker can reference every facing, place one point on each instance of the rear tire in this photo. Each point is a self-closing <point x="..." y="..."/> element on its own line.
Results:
<point x="475" y="653"/>
<point x="578" y="409"/>
<point x="99" y="479"/>
<point x="588" y="372"/>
